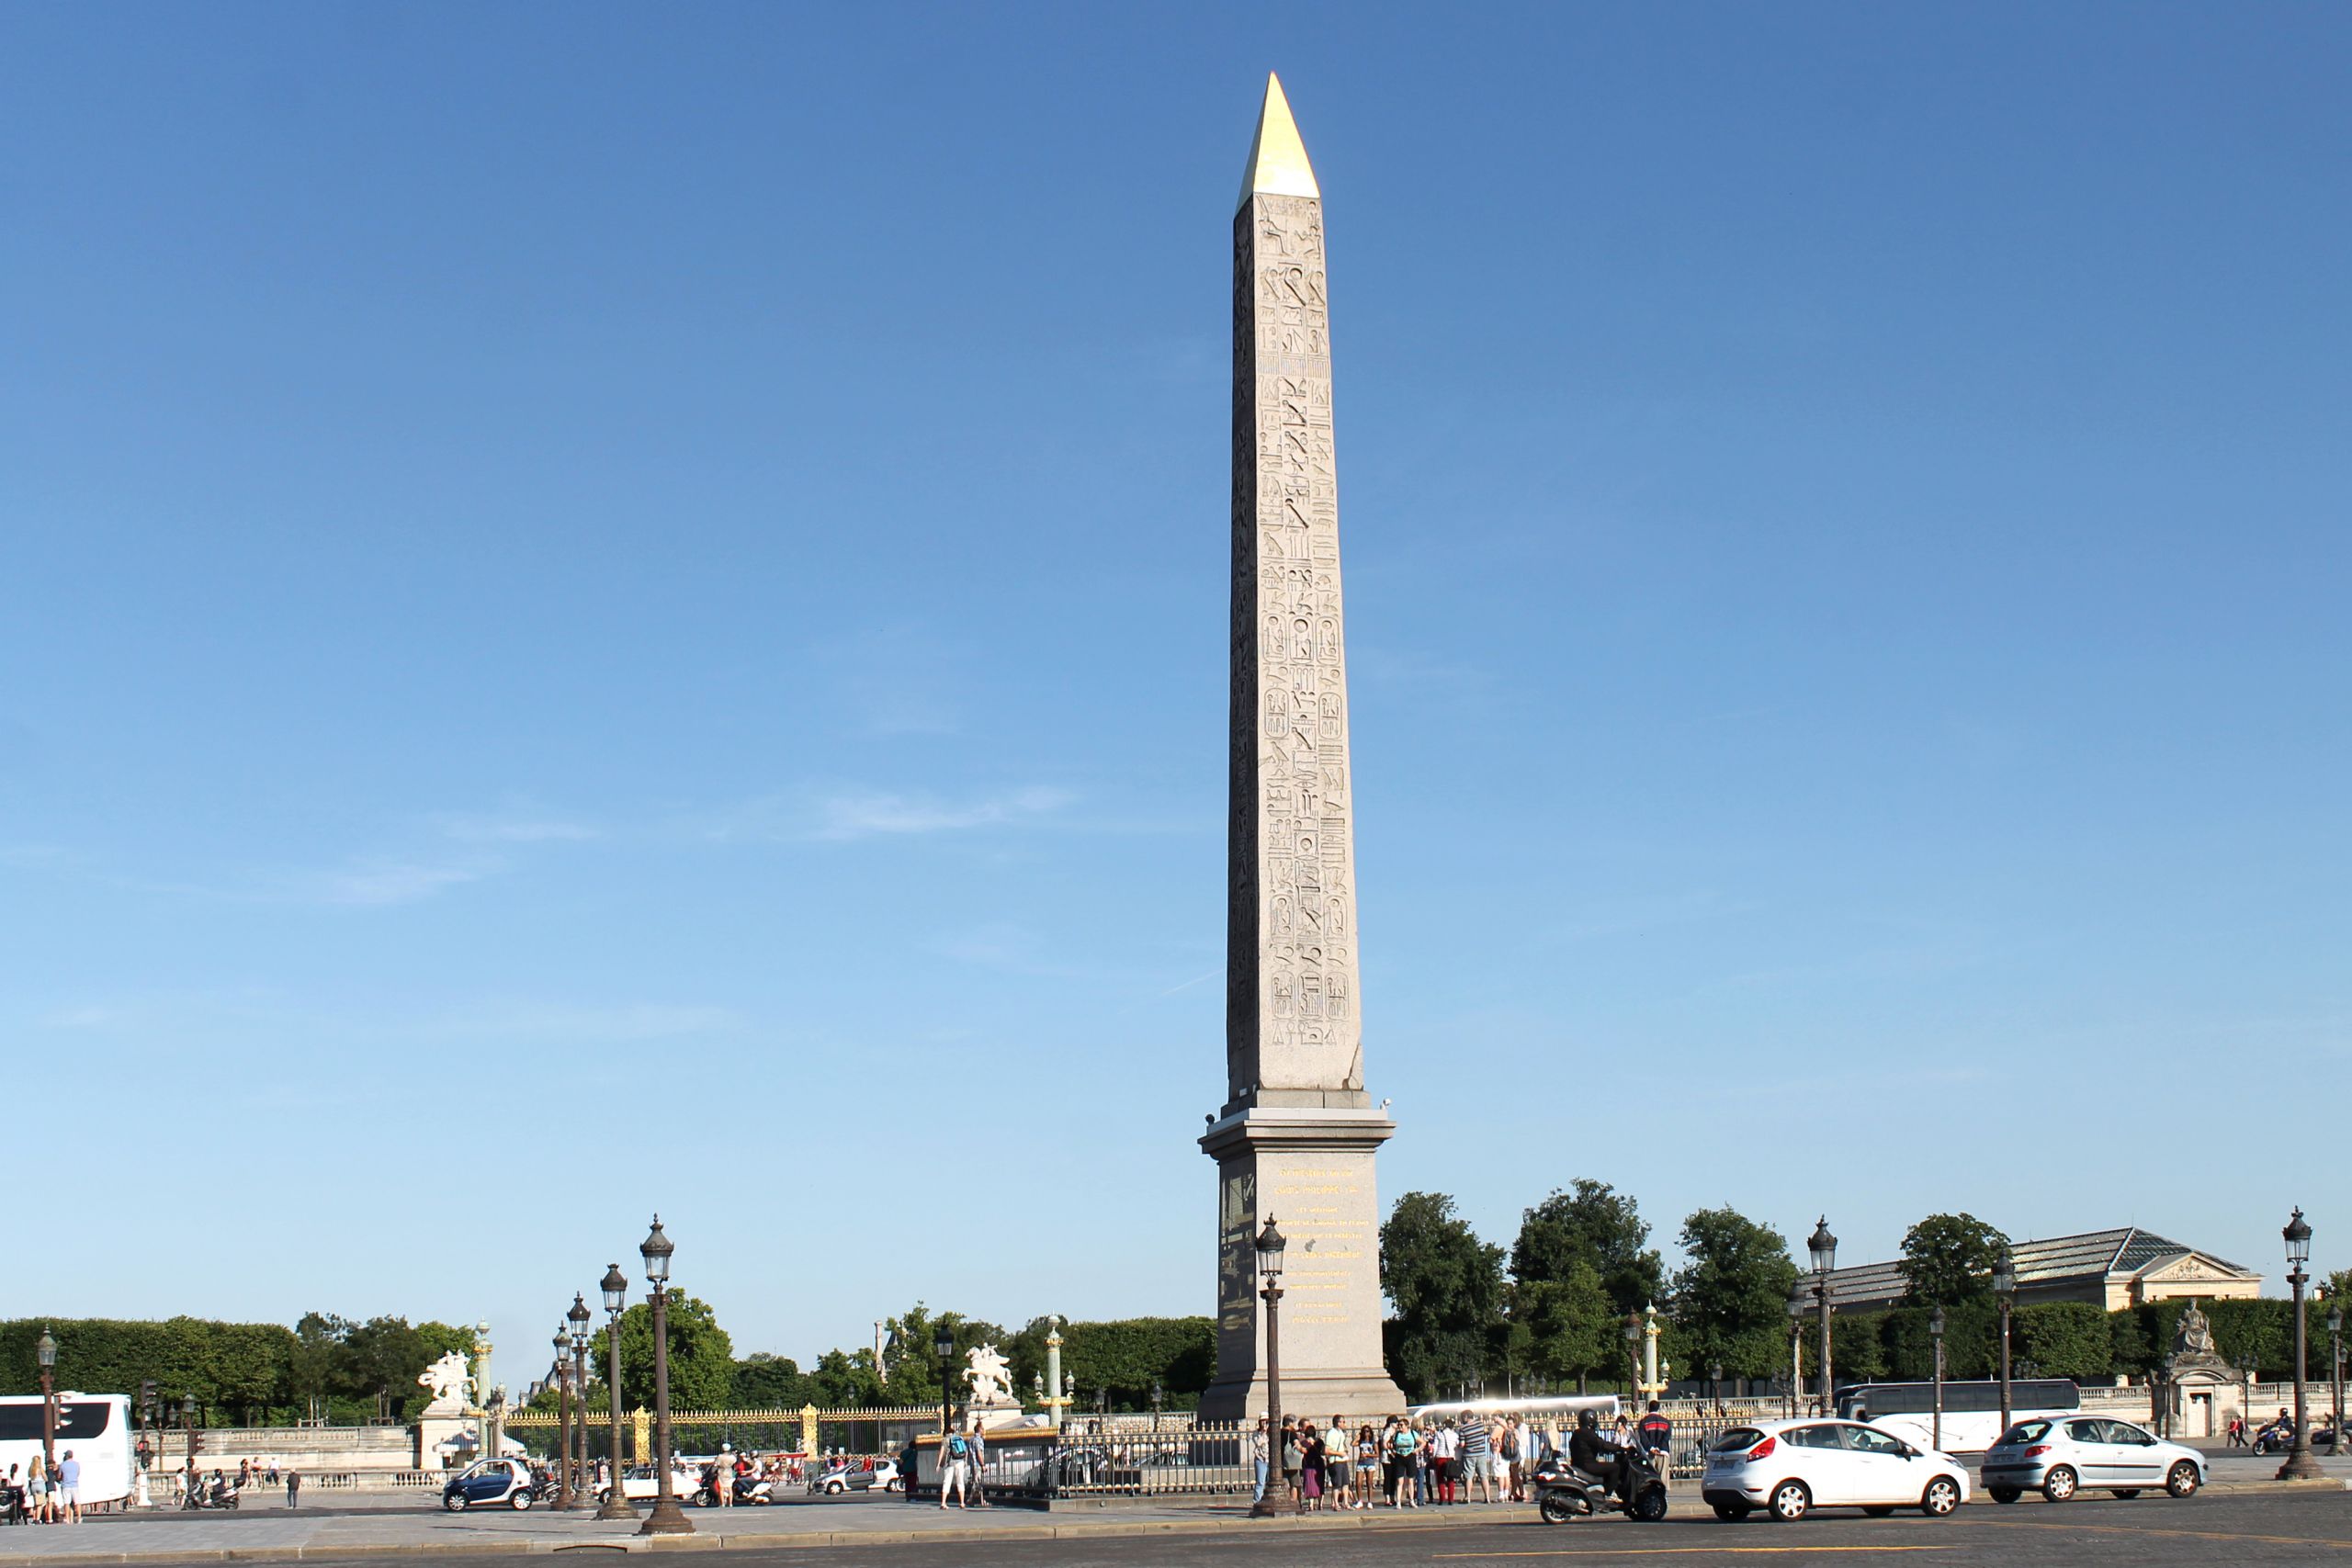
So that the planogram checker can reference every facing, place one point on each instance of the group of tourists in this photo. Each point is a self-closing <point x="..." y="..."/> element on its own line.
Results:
<point x="963" y="1465"/>
<point x="1431" y="1461"/>
<point x="47" y="1492"/>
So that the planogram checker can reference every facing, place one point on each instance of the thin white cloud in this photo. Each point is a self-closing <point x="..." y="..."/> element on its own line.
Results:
<point x="393" y="882"/>
<point x="620" y="1025"/>
<point x="522" y="829"/>
<point x="868" y="814"/>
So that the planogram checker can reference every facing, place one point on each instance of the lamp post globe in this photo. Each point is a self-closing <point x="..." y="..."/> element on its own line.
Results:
<point x="615" y="1285"/>
<point x="2302" y="1463"/>
<point x="667" y="1518"/>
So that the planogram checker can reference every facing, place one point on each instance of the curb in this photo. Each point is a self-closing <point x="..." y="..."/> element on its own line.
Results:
<point x="806" y="1540"/>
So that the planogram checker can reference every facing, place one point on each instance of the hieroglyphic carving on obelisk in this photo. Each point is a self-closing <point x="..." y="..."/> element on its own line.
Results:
<point x="1291" y="992"/>
<point x="1296" y="1136"/>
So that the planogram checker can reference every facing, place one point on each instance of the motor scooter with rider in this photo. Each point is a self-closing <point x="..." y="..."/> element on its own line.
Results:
<point x="1597" y="1477"/>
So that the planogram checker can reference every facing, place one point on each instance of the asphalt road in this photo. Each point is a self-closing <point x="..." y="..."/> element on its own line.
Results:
<point x="2282" y="1529"/>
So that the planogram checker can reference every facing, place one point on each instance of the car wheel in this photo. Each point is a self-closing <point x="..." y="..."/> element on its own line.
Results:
<point x="835" y="1490"/>
<point x="455" y="1503"/>
<point x="1731" y="1513"/>
<point x="2181" y="1480"/>
<point x="2128" y="1492"/>
<point x="1877" y="1511"/>
<point x="1555" y="1509"/>
<point x="1791" y="1502"/>
<point x="2004" y="1494"/>
<point x="521" y="1502"/>
<point x="1942" y="1497"/>
<point x="2059" y="1484"/>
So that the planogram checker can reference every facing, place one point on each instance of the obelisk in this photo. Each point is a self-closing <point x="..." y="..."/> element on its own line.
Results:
<point x="1296" y="1135"/>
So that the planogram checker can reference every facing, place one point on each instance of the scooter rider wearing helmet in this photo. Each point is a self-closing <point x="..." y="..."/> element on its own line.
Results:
<point x="1587" y="1453"/>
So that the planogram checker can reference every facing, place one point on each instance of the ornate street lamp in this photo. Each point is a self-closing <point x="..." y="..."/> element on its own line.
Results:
<point x="943" y="1344"/>
<point x="2302" y="1463"/>
<point x="1800" y="1303"/>
<point x="2005" y="1289"/>
<point x="1632" y="1349"/>
<point x="563" y="1418"/>
<point x="188" y="1425"/>
<point x="2335" y="1376"/>
<point x="1935" y="1330"/>
<point x="1823" y="1248"/>
<point x="1269" y="1268"/>
<point x="1158" y="1398"/>
<point x="667" y="1518"/>
<point x="45" y="1355"/>
<point x="579" y="1317"/>
<point x="615" y="1284"/>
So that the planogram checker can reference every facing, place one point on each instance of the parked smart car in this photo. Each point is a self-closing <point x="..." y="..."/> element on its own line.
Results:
<point x="1789" y="1468"/>
<point x="488" y="1482"/>
<point x="2059" y="1457"/>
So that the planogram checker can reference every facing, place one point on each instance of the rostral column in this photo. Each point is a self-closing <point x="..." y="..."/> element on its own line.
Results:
<point x="1296" y="1135"/>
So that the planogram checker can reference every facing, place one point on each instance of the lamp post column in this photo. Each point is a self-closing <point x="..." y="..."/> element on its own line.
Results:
<point x="615" y="1285"/>
<point x="1800" y="1303"/>
<point x="2302" y="1463"/>
<point x="2004" y="1291"/>
<point x="1823" y="1248"/>
<point x="1269" y="1268"/>
<point x="562" y="1421"/>
<point x="2336" y="1377"/>
<point x="1935" y="1328"/>
<point x="667" y="1518"/>
<point x="45" y="1353"/>
<point x="578" y="1317"/>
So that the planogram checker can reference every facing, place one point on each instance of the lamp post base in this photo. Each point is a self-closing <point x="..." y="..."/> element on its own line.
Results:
<point x="616" y="1506"/>
<point x="1264" y="1508"/>
<point x="667" y="1518"/>
<point x="2302" y="1465"/>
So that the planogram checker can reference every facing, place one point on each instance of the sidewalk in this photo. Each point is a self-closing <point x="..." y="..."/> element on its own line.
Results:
<point x="428" y="1530"/>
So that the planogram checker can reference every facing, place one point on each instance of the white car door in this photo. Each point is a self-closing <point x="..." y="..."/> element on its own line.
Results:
<point x="2093" y="1456"/>
<point x="1819" y="1457"/>
<point x="2138" y="1460"/>
<point x="1880" y="1471"/>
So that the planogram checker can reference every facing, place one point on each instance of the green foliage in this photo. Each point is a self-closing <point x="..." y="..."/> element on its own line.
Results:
<point x="1447" y="1288"/>
<point x="1731" y="1300"/>
<point x="702" y="1358"/>
<point x="1563" y="1328"/>
<point x="2066" y="1339"/>
<point x="1949" y="1259"/>
<point x="762" y="1381"/>
<point x="1594" y="1225"/>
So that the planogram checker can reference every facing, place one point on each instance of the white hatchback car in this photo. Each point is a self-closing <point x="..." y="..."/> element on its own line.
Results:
<point x="1790" y="1468"/>
<point x="2060" y="1456"/>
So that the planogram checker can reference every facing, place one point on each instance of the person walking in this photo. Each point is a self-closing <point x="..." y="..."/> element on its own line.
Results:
<point x="978" y="1488"/>
<point x="1258" y="1460"/>
<point x="954" y="1462"/>
<point x="293" y="1487"/>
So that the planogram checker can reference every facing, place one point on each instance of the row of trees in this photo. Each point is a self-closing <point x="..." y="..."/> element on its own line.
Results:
<point x="241" y="1372"/>
<point x="1119" y="1361"/>
<point x="1554" y="1307"/>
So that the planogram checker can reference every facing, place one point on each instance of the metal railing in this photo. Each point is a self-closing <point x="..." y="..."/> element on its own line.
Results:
<point x="1207" y="1460"/>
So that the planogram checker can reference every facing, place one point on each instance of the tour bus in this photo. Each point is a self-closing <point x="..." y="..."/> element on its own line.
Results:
<point x="1972" y="1410"/>
<point x="1541" y="1409"/>
<point x="95" y="1427"/>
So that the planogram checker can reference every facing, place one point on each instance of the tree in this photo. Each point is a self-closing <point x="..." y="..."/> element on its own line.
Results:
<point x="702" y="1358"/>
<point x="1570" y="1326"/>
<point x="1447" y="1288"/>
<point x="1595" y="1225"/>
<point x="762" y="1381"/>
<point x="1731" y="1300"/>
<point x="1949" y="1259"/>
<point x="2066" y="1339"/>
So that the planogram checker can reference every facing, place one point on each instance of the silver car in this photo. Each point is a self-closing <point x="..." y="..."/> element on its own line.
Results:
<point x="2060" y="1456"/>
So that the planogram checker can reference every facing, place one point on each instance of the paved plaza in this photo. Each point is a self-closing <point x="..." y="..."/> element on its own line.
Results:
<point x="2244" y="1517"/>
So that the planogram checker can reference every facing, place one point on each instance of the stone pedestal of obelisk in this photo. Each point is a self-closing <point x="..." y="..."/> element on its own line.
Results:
<point x="1296" y="1136"/>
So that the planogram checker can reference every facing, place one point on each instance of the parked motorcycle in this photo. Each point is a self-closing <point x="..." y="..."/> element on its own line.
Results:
<point x="1563" y="1492"/>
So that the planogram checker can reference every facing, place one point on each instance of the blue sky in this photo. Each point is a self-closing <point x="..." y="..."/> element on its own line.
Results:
<point x="633" y="603"/>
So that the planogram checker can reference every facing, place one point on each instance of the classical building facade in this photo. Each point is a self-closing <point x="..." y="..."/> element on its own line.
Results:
<point x="2111" y="1269"/>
